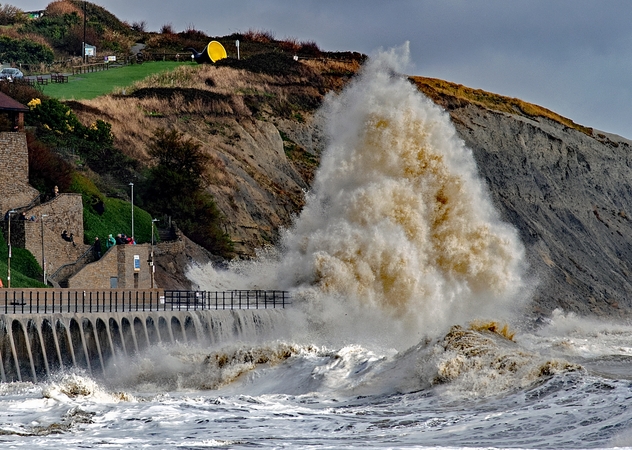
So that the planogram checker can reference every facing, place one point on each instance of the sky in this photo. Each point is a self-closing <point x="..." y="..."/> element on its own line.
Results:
<point x="571" y="56"/>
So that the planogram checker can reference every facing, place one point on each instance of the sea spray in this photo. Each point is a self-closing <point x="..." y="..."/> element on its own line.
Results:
<point x="398" y="220"/>
<point x="398" y="239"/>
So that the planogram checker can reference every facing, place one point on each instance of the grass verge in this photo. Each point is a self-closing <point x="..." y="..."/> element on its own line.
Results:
<point x="87" y="86"/>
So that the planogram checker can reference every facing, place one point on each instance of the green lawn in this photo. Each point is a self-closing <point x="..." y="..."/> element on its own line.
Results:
<point x="86" y="86"/>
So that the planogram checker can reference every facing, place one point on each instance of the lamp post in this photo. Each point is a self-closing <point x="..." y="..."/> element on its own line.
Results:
<point x="43" y="255"/>
<point x="83" y="49"/>
<point x="9" y="259"/>
<point x="151" y="255"/>
<point x="132" y="185"/>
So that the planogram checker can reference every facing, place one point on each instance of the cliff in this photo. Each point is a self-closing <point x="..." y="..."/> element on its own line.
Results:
<point x="565" y="187"/>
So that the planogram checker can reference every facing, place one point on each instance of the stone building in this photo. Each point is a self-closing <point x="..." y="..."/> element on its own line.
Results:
<point x="122" y="266"/>
<point x="45" y="229"/>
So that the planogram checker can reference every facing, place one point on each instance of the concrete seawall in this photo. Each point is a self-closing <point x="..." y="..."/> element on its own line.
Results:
<point x="33" y="346"/>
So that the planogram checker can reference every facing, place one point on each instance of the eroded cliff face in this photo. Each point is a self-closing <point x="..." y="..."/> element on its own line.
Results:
<point x="569" y="195"/>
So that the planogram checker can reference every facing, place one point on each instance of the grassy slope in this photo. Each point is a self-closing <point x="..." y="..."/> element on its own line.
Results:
<point x="91" y="85"/>
<point x="25" y="271"/>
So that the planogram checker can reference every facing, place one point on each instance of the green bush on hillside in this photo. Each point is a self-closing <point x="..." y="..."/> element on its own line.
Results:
<point x="24" y="51"/>
<point x="58" y="126"/>
<point x="174" y="188"/>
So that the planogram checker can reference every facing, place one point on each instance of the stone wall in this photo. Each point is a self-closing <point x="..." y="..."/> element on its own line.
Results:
<point x="64" y="212"/>
<point x="117" y="263"/>
<point x="15" y="190"/>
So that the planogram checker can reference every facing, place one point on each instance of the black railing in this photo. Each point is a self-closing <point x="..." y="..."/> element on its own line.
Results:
<point x="244" y="299"/>
<point x="51" y="301"/>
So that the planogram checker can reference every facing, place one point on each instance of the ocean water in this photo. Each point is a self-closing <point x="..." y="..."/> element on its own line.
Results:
<point x="408" y="328"/>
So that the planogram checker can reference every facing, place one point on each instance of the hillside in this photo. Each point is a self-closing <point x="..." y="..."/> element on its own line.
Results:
<point x="253" y="121"/>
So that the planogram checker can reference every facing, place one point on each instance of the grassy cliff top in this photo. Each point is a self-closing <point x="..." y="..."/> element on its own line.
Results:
<point x="453" y="95"/>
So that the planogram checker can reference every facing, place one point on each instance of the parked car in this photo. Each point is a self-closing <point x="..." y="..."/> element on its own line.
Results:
<point x="10" y="74"/>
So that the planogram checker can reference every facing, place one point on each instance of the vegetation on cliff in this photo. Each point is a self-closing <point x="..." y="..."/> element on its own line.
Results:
<point x="451" y="95"/>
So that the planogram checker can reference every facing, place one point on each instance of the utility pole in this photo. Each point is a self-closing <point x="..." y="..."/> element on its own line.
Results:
<point x="83" y="55"/>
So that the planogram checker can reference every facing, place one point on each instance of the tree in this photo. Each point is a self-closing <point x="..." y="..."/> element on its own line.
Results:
<point x="174" y="187"/>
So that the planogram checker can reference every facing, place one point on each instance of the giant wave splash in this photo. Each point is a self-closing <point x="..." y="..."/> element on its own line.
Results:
<point x="398" y="234"/>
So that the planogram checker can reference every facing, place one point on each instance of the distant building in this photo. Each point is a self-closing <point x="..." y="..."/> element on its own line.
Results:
<point x="35" y="14"/>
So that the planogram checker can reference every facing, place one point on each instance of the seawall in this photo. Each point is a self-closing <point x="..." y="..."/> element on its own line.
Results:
<point x="32" y="347"/>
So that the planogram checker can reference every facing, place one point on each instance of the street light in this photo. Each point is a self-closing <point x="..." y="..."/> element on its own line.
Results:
<point x="43" y="255"/>
<point x="13" y="211"/>
<point x="151" y="256"/>
<point x="132" y="185"/>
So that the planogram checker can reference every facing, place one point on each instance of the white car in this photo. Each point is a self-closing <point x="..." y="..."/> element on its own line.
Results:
<point x="10" y="74"/>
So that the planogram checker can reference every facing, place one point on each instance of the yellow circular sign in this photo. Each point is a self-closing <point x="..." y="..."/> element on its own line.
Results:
<point x="216" y="51"/>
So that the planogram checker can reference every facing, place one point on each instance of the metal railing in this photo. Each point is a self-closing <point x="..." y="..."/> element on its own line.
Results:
<point x="237" y="299"/>
<point x="51" y="301"/>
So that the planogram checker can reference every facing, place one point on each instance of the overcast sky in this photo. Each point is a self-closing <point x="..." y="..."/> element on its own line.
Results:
<point x="571" y="56"/>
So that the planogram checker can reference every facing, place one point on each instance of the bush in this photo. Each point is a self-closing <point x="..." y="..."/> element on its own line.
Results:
<point x="58" y="126"/>
<point x="24" y="51"/>
<point x="174" y="188"/>
<point x="10" y="15"/>
<point x="47" y="169"/>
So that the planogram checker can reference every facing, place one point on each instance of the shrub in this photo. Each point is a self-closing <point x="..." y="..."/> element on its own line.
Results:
<point x="24" y="51"/>
<point x="10" y="15"/>
<point x="60" y="8"/>
<point x="174" y="188"/>
<point x="139" y="27"/>
<point x="47" y="169"/>
<point x="260" y="36"/>
<point x="167" y="29"/>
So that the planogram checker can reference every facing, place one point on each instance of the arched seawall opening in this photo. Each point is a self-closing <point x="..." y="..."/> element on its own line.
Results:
<point x="33" y="346"/>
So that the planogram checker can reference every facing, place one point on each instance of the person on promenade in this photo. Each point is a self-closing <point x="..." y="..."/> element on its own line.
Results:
<point x="96" y="248"/>
<point x="111" y="242"/>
